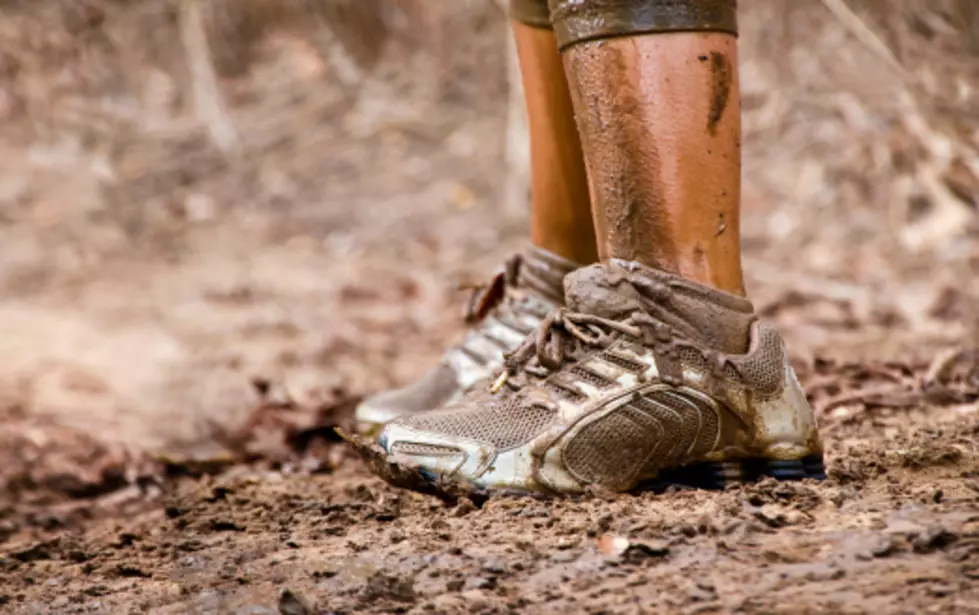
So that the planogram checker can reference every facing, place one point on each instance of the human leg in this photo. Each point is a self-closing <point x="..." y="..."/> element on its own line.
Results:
<point x="561" y="229"/>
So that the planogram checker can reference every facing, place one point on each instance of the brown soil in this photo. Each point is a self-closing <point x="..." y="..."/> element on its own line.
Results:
<point x="894" y="530"/>
<point x="180" y="333"/>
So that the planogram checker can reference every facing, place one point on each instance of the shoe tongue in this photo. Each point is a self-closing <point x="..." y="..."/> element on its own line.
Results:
<point x="544" y="271"/>
<point x="600" y="292"/>
<point x="617" y="289"/>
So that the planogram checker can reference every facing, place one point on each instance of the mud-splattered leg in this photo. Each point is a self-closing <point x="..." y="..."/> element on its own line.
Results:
<point x="655" y="90"/>
<point x="561" y="218"/>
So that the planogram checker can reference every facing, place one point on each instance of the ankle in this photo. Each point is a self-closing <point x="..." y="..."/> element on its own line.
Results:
<point x="544" y="271"/>
<point x="717" y="319"/>
<point x="719" y="273"/>
<point x="580" y="250"/>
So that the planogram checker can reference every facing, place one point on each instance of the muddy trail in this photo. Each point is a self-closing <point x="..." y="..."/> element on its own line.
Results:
<point x="182" y="330"/>
<point x="894" y="529"/>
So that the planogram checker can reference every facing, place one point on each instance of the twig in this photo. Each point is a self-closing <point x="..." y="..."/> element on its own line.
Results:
<point x="852" y="22"/>
<point x="887" y="396"/>
<point x="208" y="105"/>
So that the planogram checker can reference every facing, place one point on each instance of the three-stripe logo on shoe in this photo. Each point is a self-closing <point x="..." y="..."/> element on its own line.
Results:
<point x="658" y="427"/>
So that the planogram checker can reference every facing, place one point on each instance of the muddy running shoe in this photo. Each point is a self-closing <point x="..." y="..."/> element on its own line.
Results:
<point x="645" y="377"/>
<point x="501" y="316"/>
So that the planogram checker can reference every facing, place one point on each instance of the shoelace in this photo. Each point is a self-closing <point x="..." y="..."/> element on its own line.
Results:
<point x="559" y="337"/>
<point x="563" y="332"/>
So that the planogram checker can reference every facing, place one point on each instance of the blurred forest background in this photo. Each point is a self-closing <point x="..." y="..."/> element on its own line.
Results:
<point x="204" y="202"/>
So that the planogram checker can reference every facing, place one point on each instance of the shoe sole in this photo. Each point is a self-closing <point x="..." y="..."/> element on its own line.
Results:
<point x="708" y="476"/>
<point x="713" y="476"/>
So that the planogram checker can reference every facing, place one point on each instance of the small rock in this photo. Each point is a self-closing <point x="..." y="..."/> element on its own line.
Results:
<point x="476" y="600"/>
<point x="396" y="536"/>
<point x="824" y="573"/>
<point x="772" y="517"/>
<point x="564" y="557"/>
<point x="479" y="583"/>
<point x="455" y="585"/>
<point x="463" y="508"/>
<point x="564" y="543"/>
<point x="703" y="592"/>
<point x="934" y="537"/>
<point x="440" y="525"/>
<point x="620" y="546"/>
<point x="124" y="570"/>
<point x="942" y="590"/>
<point x="494" y="566"/>
<point x="449" y="603"/>
<point x="224" y="525"/>
<point x="640" y="550"/>
<point x="96" y="591"/>
<point x="292" y="603"/>
<point x="33" y="553"/>
<point x="382" y="585"/>
<point x="884" y="547"/>
<point x="971" y="571"/>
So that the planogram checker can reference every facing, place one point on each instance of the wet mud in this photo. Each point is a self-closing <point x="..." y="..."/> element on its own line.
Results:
<point x="893" y="529"/>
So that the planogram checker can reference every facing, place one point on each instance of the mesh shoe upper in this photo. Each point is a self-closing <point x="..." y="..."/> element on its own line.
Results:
<point x="502" y="315"/>
<point x="642" y="371"/>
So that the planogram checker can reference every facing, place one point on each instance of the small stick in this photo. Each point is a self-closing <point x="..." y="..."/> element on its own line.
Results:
<point x="208" y="104"/>
<point x="852" y="22"/>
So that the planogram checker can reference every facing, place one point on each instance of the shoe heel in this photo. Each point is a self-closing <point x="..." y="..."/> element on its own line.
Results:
<point x="797" y="469"/>
<point x="814" y="466"/>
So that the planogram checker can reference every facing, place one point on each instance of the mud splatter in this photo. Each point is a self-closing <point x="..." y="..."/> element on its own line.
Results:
<point x="721" y="77"/>
<point x="624" y="162"/>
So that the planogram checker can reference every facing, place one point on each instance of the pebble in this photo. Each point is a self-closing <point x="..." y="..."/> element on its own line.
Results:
<point x="292" y="603"/>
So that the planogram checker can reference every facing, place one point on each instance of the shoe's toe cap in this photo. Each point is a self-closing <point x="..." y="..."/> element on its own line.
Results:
<point x="447" y="456"/>
<point x="460" y="459"/>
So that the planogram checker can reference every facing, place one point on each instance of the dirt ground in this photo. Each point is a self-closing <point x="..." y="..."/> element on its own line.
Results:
<point x="180" y="331"/>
